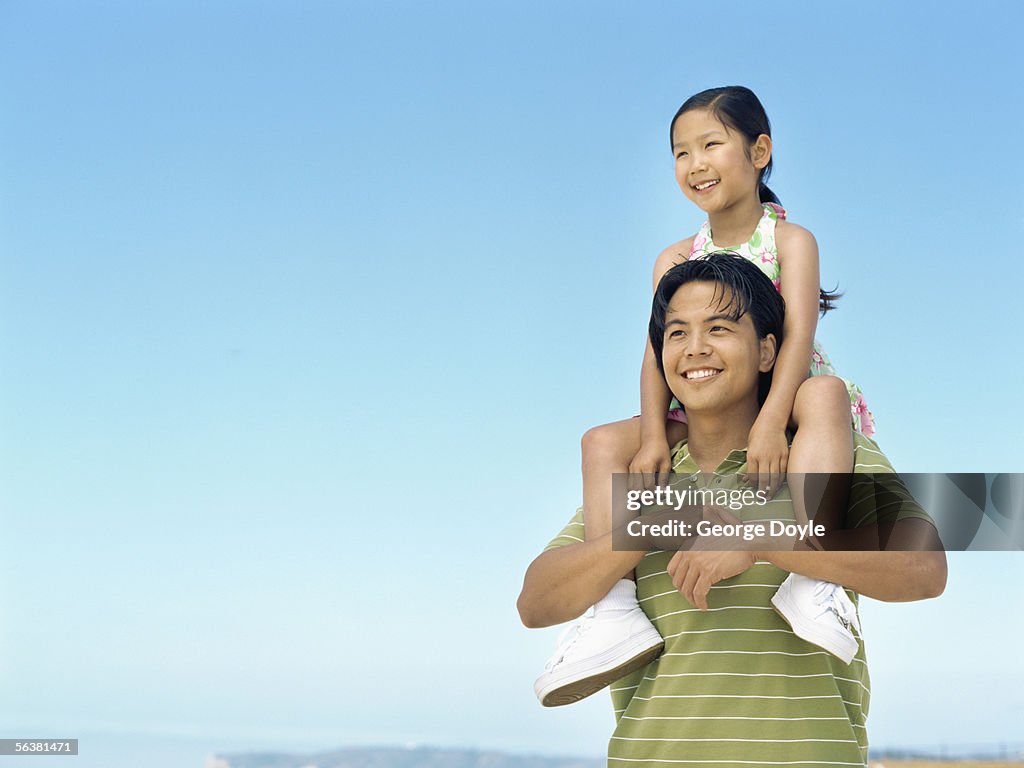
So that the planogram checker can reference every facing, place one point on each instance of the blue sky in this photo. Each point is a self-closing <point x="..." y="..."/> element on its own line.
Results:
<point x="305" y="307"/>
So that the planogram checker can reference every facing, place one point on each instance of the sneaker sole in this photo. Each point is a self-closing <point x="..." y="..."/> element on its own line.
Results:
<point x="557" y="694"/>
<point x="812" y="633"/>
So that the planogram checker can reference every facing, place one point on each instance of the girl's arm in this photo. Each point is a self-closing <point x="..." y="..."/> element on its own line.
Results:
<point x="653" y="456"/>
<point x="798" y="257"/>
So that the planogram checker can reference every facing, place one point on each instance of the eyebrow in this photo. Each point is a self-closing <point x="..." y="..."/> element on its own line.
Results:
<point x="699" y="138"/>
<point x="713" y="319"/>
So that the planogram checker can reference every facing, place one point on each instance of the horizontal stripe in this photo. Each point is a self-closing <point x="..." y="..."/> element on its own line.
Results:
<point x="744" y="674"/>
<point x="736" y="696"/>
<point x="715" y="586"/>
<point x="750" y="741"/>
<point x="766" y="719"/>
<point x="727" y="629"/>
<point x="733" y="762"/>
<point x="713" y="610"/>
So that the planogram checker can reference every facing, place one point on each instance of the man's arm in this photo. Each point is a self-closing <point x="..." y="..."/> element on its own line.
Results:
<point x="894" y="561"/>
<point x="892" y="576"/>
<point x="892" y="552"/>
<point x="563" y="582"/>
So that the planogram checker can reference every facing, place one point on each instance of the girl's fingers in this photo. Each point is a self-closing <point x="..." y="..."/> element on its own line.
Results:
<point x="752" y="476"/>
<point x="635" y="478"/>
<point x="660" y="475"/>
<point x="776" y="477"/>
<point x="764" y="477"/>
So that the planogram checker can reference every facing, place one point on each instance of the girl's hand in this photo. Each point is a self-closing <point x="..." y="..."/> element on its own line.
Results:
<point x="652" y="463"/>
<point x="767" y="458"/>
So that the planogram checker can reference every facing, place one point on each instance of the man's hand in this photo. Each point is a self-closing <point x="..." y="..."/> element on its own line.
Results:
<point x="709" y="561"/>
<point x="767" y="458"/>
<point x="652" y="462"/>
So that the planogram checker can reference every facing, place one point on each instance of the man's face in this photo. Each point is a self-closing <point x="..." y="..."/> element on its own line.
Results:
<point x="711" y="361"/>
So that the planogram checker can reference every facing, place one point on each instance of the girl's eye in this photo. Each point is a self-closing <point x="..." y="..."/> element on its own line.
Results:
<point x="680" y="156"/>
<point x="712" y="144"/>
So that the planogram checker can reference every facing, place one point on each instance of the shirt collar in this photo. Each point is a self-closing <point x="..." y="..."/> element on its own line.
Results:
<point x="683" y="463"/>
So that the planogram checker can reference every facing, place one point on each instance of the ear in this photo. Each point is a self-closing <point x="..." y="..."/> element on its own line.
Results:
<point x="761" y="151"/>
<point x="768" y="351"/>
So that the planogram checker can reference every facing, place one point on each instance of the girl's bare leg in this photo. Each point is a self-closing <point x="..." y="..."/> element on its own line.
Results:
<point x="608" y="450"/>
<point x="617" y="637"/>
<point x="823" y="444"/>
<point x="817" y="611"/>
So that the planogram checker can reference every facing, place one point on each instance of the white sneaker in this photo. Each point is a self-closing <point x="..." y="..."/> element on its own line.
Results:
<point x="598" y="650"/>
<point x="820" y="612"/>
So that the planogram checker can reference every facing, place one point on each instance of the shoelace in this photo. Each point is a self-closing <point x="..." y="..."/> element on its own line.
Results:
<point x="563" y="647"/>
<point x="833" y="598"/>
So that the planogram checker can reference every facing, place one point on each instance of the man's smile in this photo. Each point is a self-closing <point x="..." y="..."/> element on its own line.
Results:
<point x="701" y="374"/>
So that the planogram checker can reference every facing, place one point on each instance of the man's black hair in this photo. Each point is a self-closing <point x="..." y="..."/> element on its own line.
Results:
<point x="743" y="289"/>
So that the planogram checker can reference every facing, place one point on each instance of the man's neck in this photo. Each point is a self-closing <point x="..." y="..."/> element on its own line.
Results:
<point x="712" y="437"/>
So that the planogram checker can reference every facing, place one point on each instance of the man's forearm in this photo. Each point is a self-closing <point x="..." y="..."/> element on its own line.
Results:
<point x="562" y="583"/>
<point x="889" y="576"/>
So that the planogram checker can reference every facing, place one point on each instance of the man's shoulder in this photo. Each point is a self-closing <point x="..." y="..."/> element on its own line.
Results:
<point x="868" y="456"/>
<point x="572" y="533"/>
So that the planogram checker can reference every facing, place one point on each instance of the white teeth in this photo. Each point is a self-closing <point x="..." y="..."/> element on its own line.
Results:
<point x="705" y="184"/>
<point x="703" y="373"/>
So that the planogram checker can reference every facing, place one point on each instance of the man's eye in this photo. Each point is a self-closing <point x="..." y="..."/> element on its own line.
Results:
<point x="715" y="328"/>
<point x="676" y="334"/>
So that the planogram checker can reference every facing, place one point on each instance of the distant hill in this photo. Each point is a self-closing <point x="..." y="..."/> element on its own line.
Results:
<point x="393" y="757"/>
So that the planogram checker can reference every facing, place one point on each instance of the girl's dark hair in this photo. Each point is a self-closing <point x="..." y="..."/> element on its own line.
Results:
<point x="738" y="108"/>
<point x="743" y="289"/>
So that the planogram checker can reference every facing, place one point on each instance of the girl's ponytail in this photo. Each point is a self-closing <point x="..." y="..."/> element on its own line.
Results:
<point x="766" y="195"/>
<point x="827" y="299"/>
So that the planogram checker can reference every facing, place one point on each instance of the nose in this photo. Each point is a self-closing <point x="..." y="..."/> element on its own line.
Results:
<point x="697" y="345"/>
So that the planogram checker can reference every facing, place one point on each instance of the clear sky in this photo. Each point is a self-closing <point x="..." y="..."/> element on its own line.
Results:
<point x="305" y="306"/>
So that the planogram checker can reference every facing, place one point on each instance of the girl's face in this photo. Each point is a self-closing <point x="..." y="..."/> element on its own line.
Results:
<point x="715" y="167"/>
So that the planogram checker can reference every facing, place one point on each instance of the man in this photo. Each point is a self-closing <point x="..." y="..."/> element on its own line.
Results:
<point x="734" y="684"/>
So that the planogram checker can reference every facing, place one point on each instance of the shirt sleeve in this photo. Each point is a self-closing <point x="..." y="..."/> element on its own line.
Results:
<point x="572" y="533"/>
<point x="877" y="493"/>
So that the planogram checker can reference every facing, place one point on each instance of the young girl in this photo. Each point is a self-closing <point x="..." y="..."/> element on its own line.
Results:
<point x="721" y="140"/>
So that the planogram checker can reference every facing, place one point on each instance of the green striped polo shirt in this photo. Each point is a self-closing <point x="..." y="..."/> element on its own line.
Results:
<point x="734" y="686"/>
